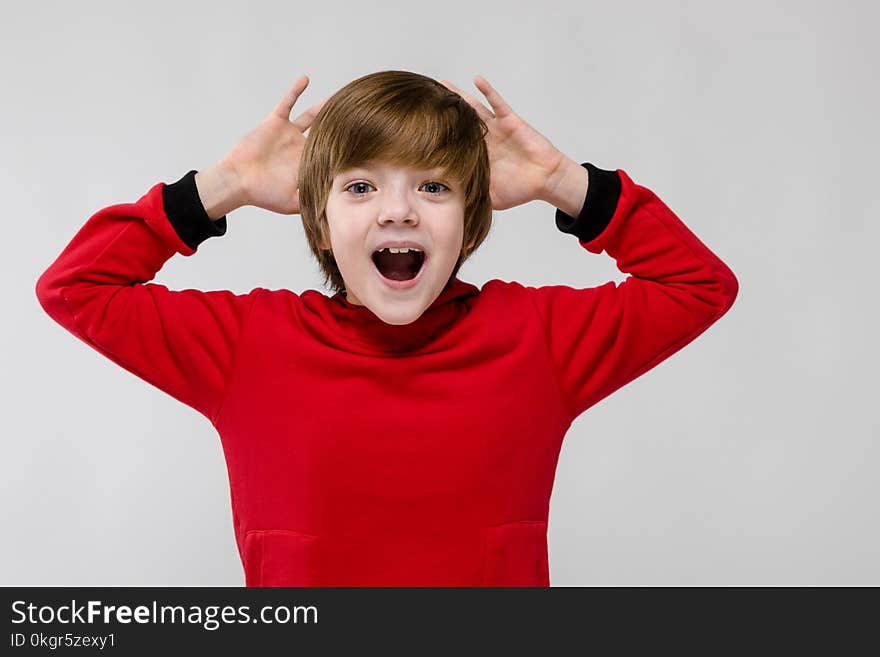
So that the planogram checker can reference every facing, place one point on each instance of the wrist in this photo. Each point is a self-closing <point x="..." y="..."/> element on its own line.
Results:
<point x="567" y="186"/>
<point x="220" y="189"/>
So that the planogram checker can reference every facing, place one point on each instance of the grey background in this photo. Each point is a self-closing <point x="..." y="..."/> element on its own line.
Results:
<point x="748" y="458"/>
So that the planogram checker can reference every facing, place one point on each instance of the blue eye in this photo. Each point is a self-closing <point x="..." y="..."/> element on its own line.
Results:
<point x="358" y="184"/>
<point x="436" y="183"/>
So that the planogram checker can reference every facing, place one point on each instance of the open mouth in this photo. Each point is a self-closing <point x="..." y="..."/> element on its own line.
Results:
<point x="399" y="264"/>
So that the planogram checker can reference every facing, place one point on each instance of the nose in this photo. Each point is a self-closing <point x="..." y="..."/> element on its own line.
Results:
<point x="408" y="218"/>
<point x="397" y="209"/>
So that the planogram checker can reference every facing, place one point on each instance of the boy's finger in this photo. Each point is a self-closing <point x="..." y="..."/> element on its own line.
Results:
<point x="481" y="109"/>
<point x="285" y="105"/>
<point x="495" y="100"/>
<point x="304" y="120"/>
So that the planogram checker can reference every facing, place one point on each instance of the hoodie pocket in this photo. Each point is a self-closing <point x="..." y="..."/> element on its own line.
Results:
<point x="280" y="557"/>
<point x="516" y="554"/>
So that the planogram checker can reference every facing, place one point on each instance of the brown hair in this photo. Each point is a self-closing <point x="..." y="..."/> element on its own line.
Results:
<point x="403" y="119"/>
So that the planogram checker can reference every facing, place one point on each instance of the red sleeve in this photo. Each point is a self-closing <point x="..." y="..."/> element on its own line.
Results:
<point x="181" y="341"/>
<point x="601" y="338"/>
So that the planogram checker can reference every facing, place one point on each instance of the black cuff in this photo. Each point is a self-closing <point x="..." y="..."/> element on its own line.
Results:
<point x="603" y="193"/>
<point x="187" y="214"/>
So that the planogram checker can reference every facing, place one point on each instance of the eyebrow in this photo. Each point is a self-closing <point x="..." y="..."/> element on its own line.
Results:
<point x="373" y="169"/>
<point x="435" y="173"/>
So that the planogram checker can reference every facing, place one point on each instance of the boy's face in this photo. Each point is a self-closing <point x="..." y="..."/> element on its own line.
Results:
<point x="368" y="206"/>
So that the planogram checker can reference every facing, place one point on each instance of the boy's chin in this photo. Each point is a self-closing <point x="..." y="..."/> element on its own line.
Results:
<point x="399" y="308"/>
<point x="404" y="306"/>
<point x="397" y="313"/>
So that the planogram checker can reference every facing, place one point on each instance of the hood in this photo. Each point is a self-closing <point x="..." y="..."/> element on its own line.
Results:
<point x="341" y="324"/>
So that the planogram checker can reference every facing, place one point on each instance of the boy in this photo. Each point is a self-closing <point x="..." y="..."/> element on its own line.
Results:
<point x="405" y="430"/>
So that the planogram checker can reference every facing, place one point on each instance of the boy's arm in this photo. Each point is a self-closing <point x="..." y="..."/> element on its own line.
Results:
<point x="183" y="342"/>
<point x="601" y="338"/>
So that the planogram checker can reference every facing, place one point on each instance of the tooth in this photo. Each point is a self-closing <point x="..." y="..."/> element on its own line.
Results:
<point x="403" y="249"/>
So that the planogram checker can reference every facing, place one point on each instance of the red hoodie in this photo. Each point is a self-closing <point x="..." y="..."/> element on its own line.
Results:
<point x="366" y="454"/>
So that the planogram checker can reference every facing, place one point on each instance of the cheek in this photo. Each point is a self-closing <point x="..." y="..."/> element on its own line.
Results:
<point x="455" y="238"/>
<point x="449" y="230"/>
<point x="344" y="234"/>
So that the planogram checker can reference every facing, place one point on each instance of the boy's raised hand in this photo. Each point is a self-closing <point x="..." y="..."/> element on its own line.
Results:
<point x="522" y="161"/>
<point x="266" y="160"/>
